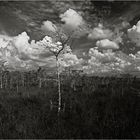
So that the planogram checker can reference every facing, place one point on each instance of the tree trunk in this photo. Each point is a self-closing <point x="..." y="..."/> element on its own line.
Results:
<point x="17" y="86"/>
<point x="1" y="80"/>
<point x="6" y="81"/>
<point x="40" y="82"/>
<point x="59" y="85"/>
<point x="22" y="79"/>
<point x="11" y="83"/>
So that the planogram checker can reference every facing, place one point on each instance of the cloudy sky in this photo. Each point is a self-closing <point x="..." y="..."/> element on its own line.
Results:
<point x="110" y="42"/>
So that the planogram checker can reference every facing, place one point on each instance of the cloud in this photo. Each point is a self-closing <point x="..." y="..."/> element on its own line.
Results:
<point x="125" y="24"/>
<point x="69" y="59"/>
<point x="100" y="33"/>
<point x="134" y="34"/>
<point x="15" y="63"/>
<point x="111" y="62"/>
<point x="101" y="57"/>
<point x="28" y="50"/>
<point x="107" y="44"/>
<point x="72" y="19"/>
<point x="48" y="26"/>
<point x="107" y="36"/>
<point x="21" y="42"/>
<point x="3" y="43"/>
<point x="20" y="53"/>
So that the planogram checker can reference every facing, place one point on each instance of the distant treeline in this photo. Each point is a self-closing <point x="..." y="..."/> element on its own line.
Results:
<point x="70" y="80"/>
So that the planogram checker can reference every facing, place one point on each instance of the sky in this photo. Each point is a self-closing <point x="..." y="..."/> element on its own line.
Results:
<point x="110" y="42"/>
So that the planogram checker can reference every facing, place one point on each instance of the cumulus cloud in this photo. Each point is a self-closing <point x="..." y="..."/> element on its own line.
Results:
<point x="22" y="54"/>
<point x="69" y="59"/>
<point x="28" y="50"/>
<point x="134" y="34"/>
<point x="125" y="24"/>
<point x="3" y="43"/>
<point x="107" y="44"/>
<point x="107" y="36"/>
<point x="111" y="62"/>
<point x="72" y="19"/>
<point x="101" y="57"/>
<point x="48" y="26"/>
<point x="100" y="33"/>
<point x="19" y="53"/>
<point x="21" y="42"/>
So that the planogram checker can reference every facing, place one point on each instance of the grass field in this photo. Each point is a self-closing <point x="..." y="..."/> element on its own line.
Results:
<point x="104" y="113"/>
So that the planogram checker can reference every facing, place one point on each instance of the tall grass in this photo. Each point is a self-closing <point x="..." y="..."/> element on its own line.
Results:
<point x="102" y="113"/>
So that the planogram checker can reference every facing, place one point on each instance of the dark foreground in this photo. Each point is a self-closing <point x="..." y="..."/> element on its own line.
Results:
<point x="101" y="114"/>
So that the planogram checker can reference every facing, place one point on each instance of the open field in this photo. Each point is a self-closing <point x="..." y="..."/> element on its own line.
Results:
<point x="87" y="112"/>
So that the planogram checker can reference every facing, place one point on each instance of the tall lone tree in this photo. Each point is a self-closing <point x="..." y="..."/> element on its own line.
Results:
<point x="60" y="37"/>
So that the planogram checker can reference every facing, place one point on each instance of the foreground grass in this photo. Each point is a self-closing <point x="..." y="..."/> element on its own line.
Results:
<point x="101" y="114"/>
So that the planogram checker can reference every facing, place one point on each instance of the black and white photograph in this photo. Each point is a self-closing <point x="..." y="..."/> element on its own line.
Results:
<point x="69" y="69"/>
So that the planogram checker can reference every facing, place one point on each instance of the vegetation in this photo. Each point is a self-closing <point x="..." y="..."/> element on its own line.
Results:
<point x="92" y="107"/>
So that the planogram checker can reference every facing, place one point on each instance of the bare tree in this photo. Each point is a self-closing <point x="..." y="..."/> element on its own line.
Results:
<point x="56" y="53"/>
<point x="59" y="40"/>
<point x="57" y="49"/>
